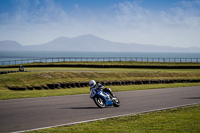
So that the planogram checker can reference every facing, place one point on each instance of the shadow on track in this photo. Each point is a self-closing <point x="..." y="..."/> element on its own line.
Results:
<point x="81" y="108"/>
<point x="191" y="98"/>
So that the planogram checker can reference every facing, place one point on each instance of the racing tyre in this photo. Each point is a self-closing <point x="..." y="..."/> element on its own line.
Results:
<point x="99" y="101"/>
<point x="116" y="102"/>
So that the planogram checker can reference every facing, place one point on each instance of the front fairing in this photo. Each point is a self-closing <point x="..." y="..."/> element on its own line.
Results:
<point x="106" y="97"/>
<point x="93" y="92"/>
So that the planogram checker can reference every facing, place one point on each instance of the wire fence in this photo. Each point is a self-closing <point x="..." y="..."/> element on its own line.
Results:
<point x="98" y="59"/>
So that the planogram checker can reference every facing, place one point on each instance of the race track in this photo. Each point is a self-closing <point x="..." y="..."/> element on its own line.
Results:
<point x="32" y="113"/>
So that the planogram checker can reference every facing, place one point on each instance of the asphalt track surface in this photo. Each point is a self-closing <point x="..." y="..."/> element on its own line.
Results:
<point x="34" y="113"/>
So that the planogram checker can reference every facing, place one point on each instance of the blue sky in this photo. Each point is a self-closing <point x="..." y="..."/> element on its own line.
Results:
<point x="159" y="22"/>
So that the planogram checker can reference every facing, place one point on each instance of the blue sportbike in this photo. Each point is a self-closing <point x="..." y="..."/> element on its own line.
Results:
<point x="104" y="97"/>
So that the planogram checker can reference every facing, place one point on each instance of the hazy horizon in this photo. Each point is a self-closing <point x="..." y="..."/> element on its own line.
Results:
<point x="99" y="38"/>
<point x="173" y="23"/>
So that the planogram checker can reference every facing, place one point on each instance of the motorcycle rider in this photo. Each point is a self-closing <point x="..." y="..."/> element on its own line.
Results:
<point x="93" y="85"/>
<point x="21" y="68"/>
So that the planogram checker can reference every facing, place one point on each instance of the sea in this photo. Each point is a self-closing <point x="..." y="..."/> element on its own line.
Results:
<point x="22" y="55"/>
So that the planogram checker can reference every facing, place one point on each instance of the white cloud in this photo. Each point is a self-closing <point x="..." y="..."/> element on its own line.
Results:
<point x="35" y="22"/>
<point x="76" y="6"/>
<point x="177" y="26"/>
<point x="39" y="24"/>
<point x="191" y="4"/>
<point x="34" y="12"/>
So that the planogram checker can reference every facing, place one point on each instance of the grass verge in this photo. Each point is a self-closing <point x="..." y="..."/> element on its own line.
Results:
<point x="43" y="76"/>
<point x="81" y="69"/>
<point x="9" y="94"/>
<point x="26" y="79"/>
<point x="184" y="119"/>
<point x="117" y="63"/>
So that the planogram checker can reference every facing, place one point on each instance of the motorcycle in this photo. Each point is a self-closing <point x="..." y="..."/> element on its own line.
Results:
<point x="21" y="68"/>
<point x="103" y="99"/>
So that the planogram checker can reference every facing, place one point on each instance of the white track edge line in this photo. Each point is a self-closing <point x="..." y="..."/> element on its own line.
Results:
<point x="86" y="121"/>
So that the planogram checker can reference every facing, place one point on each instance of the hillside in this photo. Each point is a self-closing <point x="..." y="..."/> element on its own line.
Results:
<point x="10" y="45"/>
<point x="91" y="43"/>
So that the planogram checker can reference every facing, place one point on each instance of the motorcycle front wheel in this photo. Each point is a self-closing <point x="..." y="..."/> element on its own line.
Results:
<point x="99" y="101"/>
<point x="116" y="102"/>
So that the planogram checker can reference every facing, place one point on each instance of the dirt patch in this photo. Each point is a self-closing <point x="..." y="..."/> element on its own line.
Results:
<point x="44" y="75"/>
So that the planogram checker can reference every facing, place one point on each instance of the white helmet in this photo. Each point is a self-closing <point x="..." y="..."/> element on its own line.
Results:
<point x="92" y="83"/>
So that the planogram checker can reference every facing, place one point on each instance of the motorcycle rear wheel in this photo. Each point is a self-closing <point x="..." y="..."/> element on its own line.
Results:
<point x="99" y="101"/>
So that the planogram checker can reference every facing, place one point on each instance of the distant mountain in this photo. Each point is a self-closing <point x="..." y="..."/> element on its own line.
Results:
<point x="10" y="45"/>
<point x="89" y="43"/>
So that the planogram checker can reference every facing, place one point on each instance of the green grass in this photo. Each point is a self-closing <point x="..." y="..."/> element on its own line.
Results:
<point x="183" y="120"/>
<point x="81" y="75"/>
<point x="9" y="94"/>
<point x="79" y="69"/>
<point x="43" y="76"/>
<point x="117" y="63"/>
<point x="123" y="63"/>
